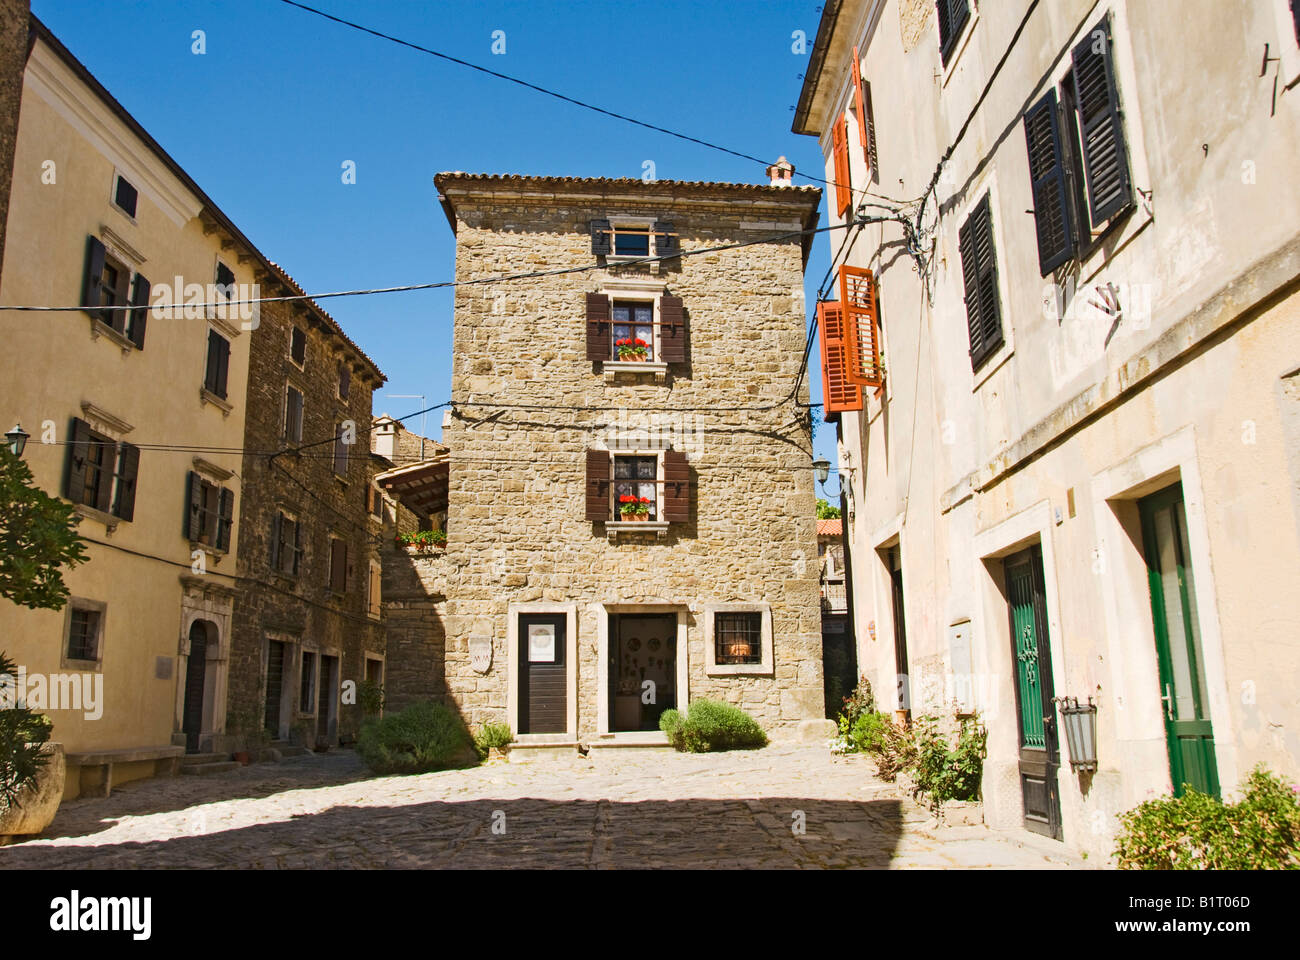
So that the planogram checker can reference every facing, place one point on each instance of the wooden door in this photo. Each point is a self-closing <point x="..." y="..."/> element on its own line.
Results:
<point x="1183" y="697"/>
<point x="900" y="629"/>
<point x="195" y="683"/>
<point x="327" y="705"/>
<point x="274" y="685"/>
<point x="643" y="647"/>
<point x="543" y="674"/>
<point x="1031" y="652"/>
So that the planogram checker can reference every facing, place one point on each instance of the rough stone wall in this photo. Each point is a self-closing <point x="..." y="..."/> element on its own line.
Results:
<point x="14" y="18"/>
<point x="304" y="484"/>
<point x="914" y="18"/>
<point x="516" y="526"/>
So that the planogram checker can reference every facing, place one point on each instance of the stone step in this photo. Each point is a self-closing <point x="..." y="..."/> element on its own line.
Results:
<point x="191" y="759"/>
<point x="288" y="749"/>
<point x="204" y="769"/>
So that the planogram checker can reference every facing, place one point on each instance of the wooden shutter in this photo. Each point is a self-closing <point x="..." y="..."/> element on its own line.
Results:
<point x="667" y="243"/>
<point x="601" y="238"/>
<point x="127" y="471"/>
<point x="677" y="487"/>
<point x="861" y="309"/>
<point x="117" y="318"/>
<point x="866" y="116"/>
<point x="1295" y="15"/>
<point x="225" y="518"/>
<point x="107" y="468"/>
<point x="194" y="510"/>
<point x="1047" y="179"/>
<point x="338" y="566"/>
<point x="597" y="484"/>
<point x="979" y="274"/>
<point x="276" y="524"/>
<point x="218" y="364"/>
<point x="345" y="379"/>
<point x="94" y="276"/>
<point x="293" y="415"/>
<point x="953" y="15"/>
<point x="838" y="392"/>
<point x="840" y="147"/>
<point x="74" y="485"/>
<point x="140" y="315"/>
<point x="297" y="547"/>
<point x="672" y="330"/>
<point x="1101" y="128"/>
<point x="598" y="345"/>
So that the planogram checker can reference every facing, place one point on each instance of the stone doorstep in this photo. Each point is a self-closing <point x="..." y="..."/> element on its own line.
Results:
<point x="532" y="752"/>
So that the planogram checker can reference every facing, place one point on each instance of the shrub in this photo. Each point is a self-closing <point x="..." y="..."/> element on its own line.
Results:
<point x="867" y="734"/>
<point x="896" y="752"/>
<point x="709" y="725"/>
<point x="423" y="737"/>
<point x="370" y="698"/>
<point x="1200" y="832"/>
<point x="943" y="774"/>
<point x="492" y="735"/>
<point x="23" y="735"/>
<point x="860" y="701"/>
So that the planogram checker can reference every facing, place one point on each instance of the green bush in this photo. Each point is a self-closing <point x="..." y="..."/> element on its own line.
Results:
<point x="23" y="735"/>
<point x="1200" y="832"/>
<point x="370" y="698"/>
<point x="867" y="734"/>
<point x="896" y="751"/>
<point x="942" y="774"/>
<point x="423" y="737"/>
<point x="860" y="701"/>
<point x="492" y="735"/>
<point x="709" y="725"/>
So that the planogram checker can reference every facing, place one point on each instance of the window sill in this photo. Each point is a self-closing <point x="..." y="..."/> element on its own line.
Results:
<point x="641" y="259"/>
<point x="207" y="549"/>
<point x="109" y="521"/>
<point x="207" y="396"/>
<point x="98" y="328"/>
<point x="612" y="368"/>
<point x="738" y="669"/>
<point x="614" y="527"/>
<point x="85" y="666"/>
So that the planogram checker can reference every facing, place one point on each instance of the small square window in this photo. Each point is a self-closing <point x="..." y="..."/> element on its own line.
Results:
<point x="345" y="379"/>
<point x="298" y="346"/>
<point x="632" y="241"/>
<point x="125" y="196"/>
<point x="225" y="281"/>
<point x="83" y="634"/>
<point x="738" y="638"/>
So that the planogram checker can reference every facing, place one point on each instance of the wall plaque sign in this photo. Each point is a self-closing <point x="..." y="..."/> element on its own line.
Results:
<point x="480" y="653"/>
<point x="541" y="643"/>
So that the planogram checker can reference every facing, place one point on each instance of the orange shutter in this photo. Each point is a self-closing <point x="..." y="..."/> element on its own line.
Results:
<point x="858" y="295"/>
<point x="838" y="394"/>
<point x="860" y="103"/>
<point x="840" y="146"/>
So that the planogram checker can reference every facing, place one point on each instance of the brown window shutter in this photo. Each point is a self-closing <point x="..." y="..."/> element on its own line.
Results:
<point x="93" y="277"/>
<point x="74" y="486"/>
<point x="194" y="510"/>
<point x="128" y="469"/>
<point x="597" y="485"/>
<point x="672" y="330"/>
<point x="598" y="345"/>
<point x="297" y="547"/>
<point x="140" y="315"/>
<point x="276" y="525"/>
<point x="860" y="304"/>
<point x="601" y="237"/>
<point x="677" y="487"/>
<point x="840" y="146"/>
<point x="338" y="566"/>
<point x="838" y="392"/>
<point x="225" y="518"/>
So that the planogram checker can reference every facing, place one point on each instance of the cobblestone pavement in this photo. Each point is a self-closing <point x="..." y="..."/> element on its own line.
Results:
<point x="620" y="808"/>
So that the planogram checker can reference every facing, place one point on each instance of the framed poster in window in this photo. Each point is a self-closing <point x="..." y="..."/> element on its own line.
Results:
<point x="541" y="643"/>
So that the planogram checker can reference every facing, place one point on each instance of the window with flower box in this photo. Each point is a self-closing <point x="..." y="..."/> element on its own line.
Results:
<point x="638" y="487"/>
<point x="635" y="322"/>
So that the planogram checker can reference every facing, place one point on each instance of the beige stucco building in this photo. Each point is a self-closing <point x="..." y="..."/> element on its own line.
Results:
<point x="1081" y="474"/>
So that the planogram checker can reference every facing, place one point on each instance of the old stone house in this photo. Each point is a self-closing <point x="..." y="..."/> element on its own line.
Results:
<point x="630" y="520"/>
<point x="1067" y="394"/>
<point x="311" y="621"/>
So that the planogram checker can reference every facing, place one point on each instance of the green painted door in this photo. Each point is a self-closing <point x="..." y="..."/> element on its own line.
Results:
<point x="1032" y="665"/>
<point x="1183" y="698"/>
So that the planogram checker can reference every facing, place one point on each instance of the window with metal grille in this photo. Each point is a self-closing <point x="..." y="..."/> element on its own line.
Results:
<point x="635" y="488"/>
<point x="738" y="638"/>
<point x="83" y="634"/>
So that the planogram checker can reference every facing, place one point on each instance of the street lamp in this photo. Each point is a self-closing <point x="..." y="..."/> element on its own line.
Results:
<point x="17" y="438"/>
<point x="822" y="466"/>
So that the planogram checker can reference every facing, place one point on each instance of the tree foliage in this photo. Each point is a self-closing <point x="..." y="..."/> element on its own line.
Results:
<point x="38" y="538"/>
<point x="825" y="511"/>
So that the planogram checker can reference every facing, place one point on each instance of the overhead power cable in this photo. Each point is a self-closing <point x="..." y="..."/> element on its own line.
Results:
<point x="546" y="91"/>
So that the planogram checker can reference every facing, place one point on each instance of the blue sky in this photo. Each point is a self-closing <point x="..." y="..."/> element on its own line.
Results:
<point x="265" y="118"/>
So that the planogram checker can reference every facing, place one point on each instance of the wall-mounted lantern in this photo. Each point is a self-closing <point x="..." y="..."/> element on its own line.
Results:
<point x="17" y="439"/>
<point x="1080" y="722"/>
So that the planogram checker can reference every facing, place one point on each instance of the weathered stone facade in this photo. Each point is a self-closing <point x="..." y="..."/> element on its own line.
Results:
<point x="303" y="612"/>
<point x="517" y="528"/>
<point x="13" y="58"/>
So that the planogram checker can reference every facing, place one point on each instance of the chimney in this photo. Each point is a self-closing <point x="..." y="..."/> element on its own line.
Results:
<point x="781" y="172"/>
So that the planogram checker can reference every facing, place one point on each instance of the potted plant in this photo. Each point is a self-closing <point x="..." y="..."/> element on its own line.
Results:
<point x="423" y="541"/>
<point x="633" y="509"/>
<point x="632" y="348"/>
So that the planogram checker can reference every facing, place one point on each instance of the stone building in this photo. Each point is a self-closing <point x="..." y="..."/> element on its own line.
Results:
<point x="1069" y="392"/>
<point x="310" y="620"/>
<point x="630" y="516"/>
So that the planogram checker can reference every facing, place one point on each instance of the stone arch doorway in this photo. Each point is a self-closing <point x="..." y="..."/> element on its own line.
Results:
<point x="203" y="636"/>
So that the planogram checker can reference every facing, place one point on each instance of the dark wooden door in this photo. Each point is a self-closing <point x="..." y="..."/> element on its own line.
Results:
<point x="328" y="703"/>
<point x="195" y="681"/>
<point x="1183" y="697"/>
<point x="1031" y="652"/>
<point x="900" y="629"/>
<point x="543" y="674"/>
<point x="274" y="685"/>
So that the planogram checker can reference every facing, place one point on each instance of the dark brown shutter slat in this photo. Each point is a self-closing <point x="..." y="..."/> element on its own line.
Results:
<point x="74" y="485"/>
<point x="598" y="345"/>
<point x="979" y="274"/>
<point x="672" y="330"/>
<point x="600" y="238"/>
<point x="107" y="469"/>
<point x="94" y="274"/>
<point x="276" y="523"/>
<point x="597" y="485"/>
<point x="225" y="515"/>
<point x="677" y="487"/>
<point x="139" y="315"/>
<point x="1101" y="129"/>
<point x="297" y="547"/>
<point x="667" y="243"/>
<point x="1047" y="180"/>
<point x="127" y="473"/>
<point x="194" y="509"/>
